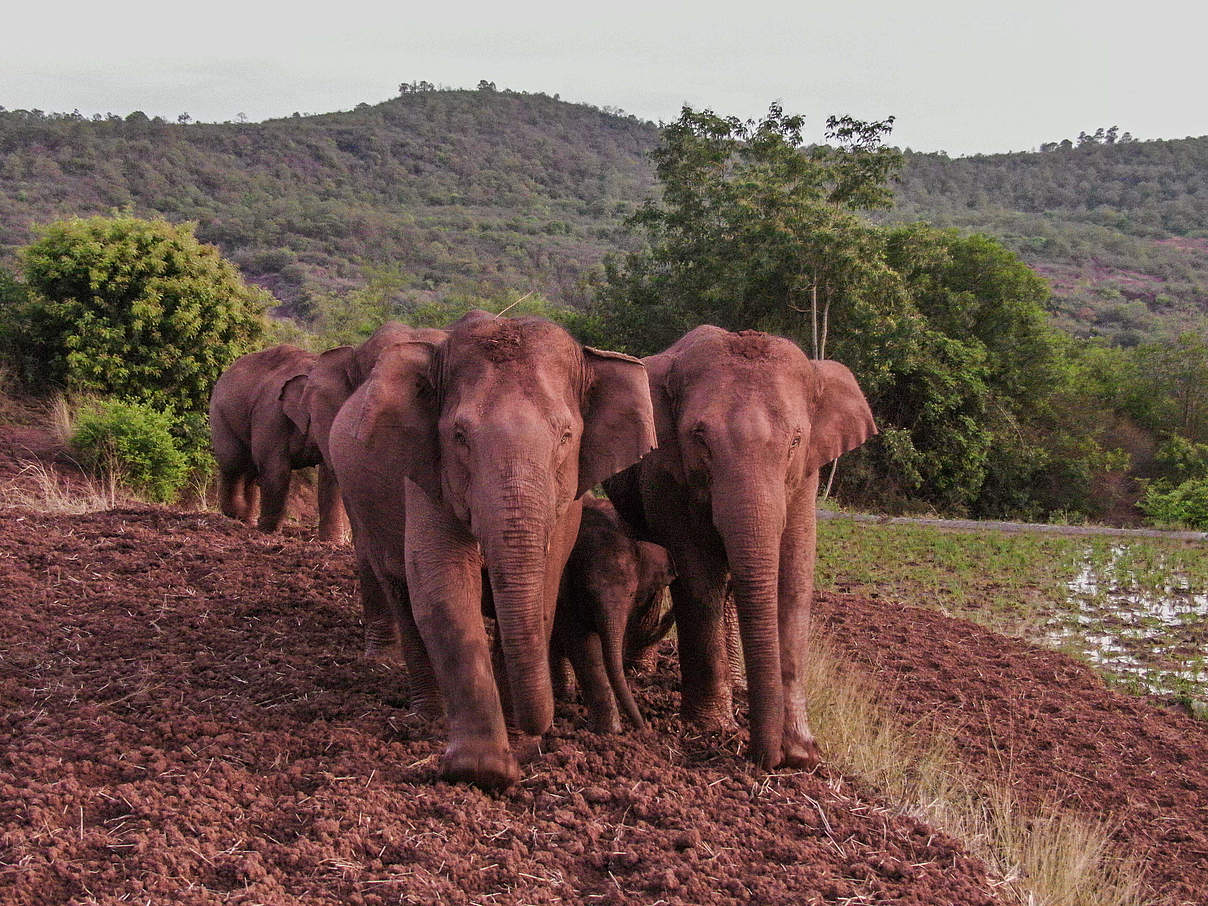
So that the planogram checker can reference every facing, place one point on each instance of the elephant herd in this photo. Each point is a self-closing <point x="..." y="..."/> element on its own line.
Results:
<point x="463" y="460"/>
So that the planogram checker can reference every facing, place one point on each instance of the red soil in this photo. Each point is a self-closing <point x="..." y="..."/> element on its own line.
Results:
<point x="1049" y="724"/>
<point x="186" y="719"/>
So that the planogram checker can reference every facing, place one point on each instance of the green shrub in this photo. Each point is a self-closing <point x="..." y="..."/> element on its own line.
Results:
<point x="135" y="443"/>
<point x="131" y="308"/>
<point x="1182" y="504"/>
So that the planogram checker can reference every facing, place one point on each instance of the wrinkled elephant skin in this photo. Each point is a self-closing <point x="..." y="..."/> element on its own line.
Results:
<point x="331" y="380"/>
<point x="608" y="611"/>
<point x="745" y="421"/>
<point x="472" y="453"/>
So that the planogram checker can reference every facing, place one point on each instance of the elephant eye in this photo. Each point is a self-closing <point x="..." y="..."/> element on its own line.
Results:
<point x="796" y="441"/>
<point x="698" y="436"/>
<point x="566" y="435"/>
<point x="459" y="436"/>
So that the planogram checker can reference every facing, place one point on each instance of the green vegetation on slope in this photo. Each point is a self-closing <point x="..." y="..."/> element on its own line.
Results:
<point x="490" y="190"/>
<point x="455" y="188"/>
<point x="1120" y="230"/>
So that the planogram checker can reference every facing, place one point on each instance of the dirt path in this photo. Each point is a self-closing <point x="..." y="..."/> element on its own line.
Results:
<point x="184" y="719"/>
<point x="1049" y="723"/>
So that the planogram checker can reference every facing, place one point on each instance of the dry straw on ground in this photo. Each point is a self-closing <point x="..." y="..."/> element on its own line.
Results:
<point x="1046" y="858"/>
<point x="41" y="488"/>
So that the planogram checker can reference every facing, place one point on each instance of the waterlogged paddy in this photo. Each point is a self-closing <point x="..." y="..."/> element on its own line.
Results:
<point x="1146" y="625"/>
<point x="1135" y="607"/>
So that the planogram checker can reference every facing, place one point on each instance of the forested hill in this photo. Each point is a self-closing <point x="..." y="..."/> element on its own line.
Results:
<point x="1120" y="230"/>
<point x="485" y="190"/>
<point x="452" y="187"/>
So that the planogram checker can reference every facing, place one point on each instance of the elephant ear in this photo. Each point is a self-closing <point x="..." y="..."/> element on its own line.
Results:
<point x="293" y="405"/>
<point x="655" y="570"/>
<point x="618" y="424"/>
<point x="664" y="399"/>
<point x="395" y="420"/>
<point x="327" y="387"/>
<point x="842" y="420"/>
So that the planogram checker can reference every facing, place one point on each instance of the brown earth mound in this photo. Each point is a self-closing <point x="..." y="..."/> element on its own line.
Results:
<point x="1049" y="724"/>
<point x="185" y="718"/>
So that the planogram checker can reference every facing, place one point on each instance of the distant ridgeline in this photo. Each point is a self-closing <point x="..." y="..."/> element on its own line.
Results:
<point x="483" y="191"/>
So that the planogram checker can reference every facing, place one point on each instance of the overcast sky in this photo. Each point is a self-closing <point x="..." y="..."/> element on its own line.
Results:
<point x="966" y="77"/>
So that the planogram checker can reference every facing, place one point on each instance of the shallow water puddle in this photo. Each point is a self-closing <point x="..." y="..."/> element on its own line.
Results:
<point x="1146" y="625"/>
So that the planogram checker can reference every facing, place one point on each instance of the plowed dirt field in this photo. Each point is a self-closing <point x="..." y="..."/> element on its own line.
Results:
<point x="185" y="717"/>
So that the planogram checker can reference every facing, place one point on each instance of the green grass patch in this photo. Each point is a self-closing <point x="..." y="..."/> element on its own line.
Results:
<point x="1135" y="607"/>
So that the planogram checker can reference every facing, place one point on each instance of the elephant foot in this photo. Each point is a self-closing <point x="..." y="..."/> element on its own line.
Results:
<point x="427" y="705"/>
<point x="708" y="719"/>
<point x="605" y="724"/>
<point x="483" y="764"/>
<point x="388" y="654"/>
<point x="801" y="754"/>
<point x="766" y="758"/>
<point x="562" y="678"/>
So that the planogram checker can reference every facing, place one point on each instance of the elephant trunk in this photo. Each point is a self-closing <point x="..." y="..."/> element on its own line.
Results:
<point x="514" y="539"/>
<point x="612" y="638"/>
<point x="751" y="523"/>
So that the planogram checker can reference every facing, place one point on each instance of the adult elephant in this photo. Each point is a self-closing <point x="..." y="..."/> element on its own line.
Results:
<point x="473" y="452"/>
<point x="744" y="422"/>
<point x="311" y="400"/>
<point x="258" y="443"/>
<point x="313" y="404"/>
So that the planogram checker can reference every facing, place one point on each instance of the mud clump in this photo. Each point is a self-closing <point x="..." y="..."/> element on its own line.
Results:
<point x="186" y="718"/>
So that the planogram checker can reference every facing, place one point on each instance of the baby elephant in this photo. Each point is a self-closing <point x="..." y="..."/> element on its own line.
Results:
<point x="608" y="611"/>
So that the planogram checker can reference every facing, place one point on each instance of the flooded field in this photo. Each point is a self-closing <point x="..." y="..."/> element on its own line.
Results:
<point x="1134" y="606"/>
<point x="1143" y="621"/>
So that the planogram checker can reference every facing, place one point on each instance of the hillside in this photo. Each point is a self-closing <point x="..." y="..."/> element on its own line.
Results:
<point x="206" y="729"/>
<point x="452" y="187"/>
<point x="1120" y="230"/>
<point x="481" y="191"/>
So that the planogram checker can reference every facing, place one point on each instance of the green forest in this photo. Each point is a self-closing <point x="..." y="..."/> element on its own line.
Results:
<point x="1028" y="327"/>
<point x="491" y="190"/>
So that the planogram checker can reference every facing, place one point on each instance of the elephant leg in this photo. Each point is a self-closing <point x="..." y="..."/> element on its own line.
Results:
<point x="383" y="640"/>
<point x="587" y="658"/>
<point x="333" y="523"/>
<point x="251" y="498"/>
<point x="231" y="495"/>
<point x="444" y="577"/>
<point x="698" y="597"/>
<point x="796" y="587"/>
<point x="499" y="668"/>
<point x="561" y="674"/>
<point x="425" y="693"/>
<point x="274" y="479"/>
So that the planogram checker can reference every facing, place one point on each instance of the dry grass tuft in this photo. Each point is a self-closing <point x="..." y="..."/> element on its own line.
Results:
<point x="39" y="487"/>
<point x="62" y="414"/>
<point x="1046" y="857"/>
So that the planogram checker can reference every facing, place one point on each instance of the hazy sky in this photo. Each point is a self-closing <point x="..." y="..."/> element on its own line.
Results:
<point x="961" y="76"/>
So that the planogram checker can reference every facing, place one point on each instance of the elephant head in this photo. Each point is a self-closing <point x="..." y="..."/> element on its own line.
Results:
<point x="311" y="400"/>
<point x="745" y="421"/>
<point x="503" y="424"/>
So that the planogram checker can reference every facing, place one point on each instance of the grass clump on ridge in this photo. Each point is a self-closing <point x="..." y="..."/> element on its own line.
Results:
<point x="1044" y="856"/>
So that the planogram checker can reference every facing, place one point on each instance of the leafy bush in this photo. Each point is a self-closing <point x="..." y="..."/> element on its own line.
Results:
<point x="1183" y="504"/>
<point x="133" y="442"/>
<point x="131" y="308"/>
